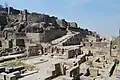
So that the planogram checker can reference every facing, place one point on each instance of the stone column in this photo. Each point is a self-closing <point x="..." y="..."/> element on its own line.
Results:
<point x="25" y="16"/>
<point x="8" y="10"/>
<point x="20" y="17"/>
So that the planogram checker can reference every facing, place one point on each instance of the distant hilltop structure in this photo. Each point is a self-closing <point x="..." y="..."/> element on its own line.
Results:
<point x="2" y="8"/>
<point x="41" y="26"/>
<point x="8" y="9"/>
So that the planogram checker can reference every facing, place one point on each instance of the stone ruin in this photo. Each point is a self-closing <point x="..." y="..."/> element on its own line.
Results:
<point x="62" y="50"/>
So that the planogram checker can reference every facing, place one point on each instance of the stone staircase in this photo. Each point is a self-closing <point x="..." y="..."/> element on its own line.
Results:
<point x="63" y="39"/>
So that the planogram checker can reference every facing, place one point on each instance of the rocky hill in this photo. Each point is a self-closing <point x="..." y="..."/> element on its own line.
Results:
<point x="47" y="27"/>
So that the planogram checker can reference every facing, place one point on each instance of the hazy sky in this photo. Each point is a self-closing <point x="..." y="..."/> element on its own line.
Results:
<point x="102" y="16"/>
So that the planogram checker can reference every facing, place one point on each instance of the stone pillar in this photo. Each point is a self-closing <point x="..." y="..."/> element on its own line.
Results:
<point x="14" y="43"/>
<point x="63" y="69"/>
<point x="8" y="10"/>
<point x="25" y="15"/>
<point x="58" y="69"/>
<point x="20" y="17"/>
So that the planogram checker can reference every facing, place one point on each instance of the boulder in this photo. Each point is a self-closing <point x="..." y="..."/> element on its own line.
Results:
<point x="35" y="28"/>
<point x="61" y="23"/>
<point x="72" y="24"/>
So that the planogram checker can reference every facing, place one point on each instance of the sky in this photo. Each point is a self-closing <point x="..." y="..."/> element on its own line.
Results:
<point x="102" y="16"/>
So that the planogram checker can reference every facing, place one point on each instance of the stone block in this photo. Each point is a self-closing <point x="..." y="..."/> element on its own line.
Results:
<point x="19" y="68"/>
<point x="11" y="77"/>
<point x="93" y="71"/>
<point x="58" y="69"/>
<point x="102" y="57"/>
<point x="104" y="62"/>
<point x="62" y="23"/>
<point x="3" y="76"/>
<point x="90" y="63"/>
<point x="90" y="58"/>
<point x="23" y="71"/>
<point x="16" y="73"/>
<point x="98" y="65"/>
<point x="114" y="54"/>
<point x="71" y="53"/>
<point x="9" y="70"/>
<point x="73" y="72"/>
<point x="101" y="71"/>
<point x="32" y="50"/>
<point x="73" y="24"/>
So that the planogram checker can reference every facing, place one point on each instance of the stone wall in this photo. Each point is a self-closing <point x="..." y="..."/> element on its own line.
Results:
<point x="34" y="37"/>
<point x="3" y="21"/>
<point x="5" y="43"/>
<point x="32" y="50"/>
<point x="74" y="40"/>
<point x="96" y="44"/>
<point x="73" y="72"/>
<point x="53" y="34"/>
<point x="46" y="36"/>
